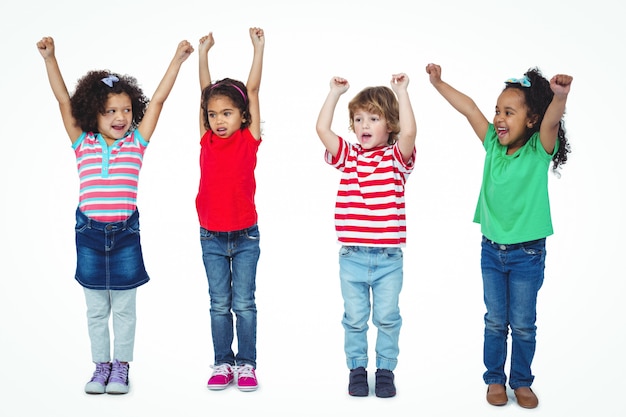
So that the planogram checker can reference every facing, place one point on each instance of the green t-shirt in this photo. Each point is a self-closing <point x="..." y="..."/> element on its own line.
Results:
<point x="513" y="205"/>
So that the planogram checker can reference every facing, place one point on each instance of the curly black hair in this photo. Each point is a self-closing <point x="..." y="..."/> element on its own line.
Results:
<point x="234" y="90"/>
<point x="538" y="97"/>
<point x="90" y="97"/>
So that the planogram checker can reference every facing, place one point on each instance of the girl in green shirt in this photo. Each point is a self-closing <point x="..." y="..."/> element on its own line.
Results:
<point x="514" y="213"/>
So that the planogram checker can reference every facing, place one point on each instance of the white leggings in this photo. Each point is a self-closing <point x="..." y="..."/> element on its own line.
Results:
<point x="100" y="305"/>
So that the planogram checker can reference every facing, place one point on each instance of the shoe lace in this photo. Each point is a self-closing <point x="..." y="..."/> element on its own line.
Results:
<point x="224" y="369"/>
<point x="103" y="368"/>
<point x="119" y="371"/>
<point x="245" y="371"/>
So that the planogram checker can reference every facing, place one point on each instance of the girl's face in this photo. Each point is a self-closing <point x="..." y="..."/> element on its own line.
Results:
<point x="371" y="129"/>
<point x="114" y="123"/>
<point x="511" y="119"/>
<point x="224" y="117"/>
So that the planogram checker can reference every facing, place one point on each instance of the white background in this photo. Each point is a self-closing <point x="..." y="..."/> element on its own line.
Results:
<point x="44" y="347"/>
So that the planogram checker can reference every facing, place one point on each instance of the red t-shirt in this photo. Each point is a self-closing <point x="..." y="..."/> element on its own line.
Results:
<point x="225" y="200"/>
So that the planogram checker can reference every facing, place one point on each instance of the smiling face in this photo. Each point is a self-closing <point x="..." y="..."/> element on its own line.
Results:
<point x="114" y="123"/>
<point x="371" y="129"/>
<point x="224" y="116"/>
<point x="512" y="120"/>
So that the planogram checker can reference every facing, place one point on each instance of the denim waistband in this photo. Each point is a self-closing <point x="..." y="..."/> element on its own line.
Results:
<point x="242" y="232"/>
<point x="97" y="225"/>
<point x="512" y="246"/>
<point x="372" y="249"/>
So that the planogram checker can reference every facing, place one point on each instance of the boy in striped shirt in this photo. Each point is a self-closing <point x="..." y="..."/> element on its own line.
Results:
<point x="370" y="220"/>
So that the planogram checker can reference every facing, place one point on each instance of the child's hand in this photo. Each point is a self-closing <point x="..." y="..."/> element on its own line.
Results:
<point x="46" y="47"/>
<point x="434" y="71"/>
<point x="205" y="43"/>
<point x="560" y="84"/>
<point x="399" y="81"/>
<point x="258" y="37"/>
<point x="339" y="85"/>
<point x="184" y="50"/>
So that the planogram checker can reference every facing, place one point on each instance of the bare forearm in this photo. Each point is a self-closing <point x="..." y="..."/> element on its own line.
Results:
<point x="555" y="112"/>
<point x="462" y="103"/>
<point x="466" y="106"/>
<point x="324" y="123"/>
<point x="408" y="127"/>
<point x="407" y="117"/>
<point x="256" y="70"/>
<point x="167" y="83"/>
<point x="203" y="71"/>
<point x="56" y="81"/>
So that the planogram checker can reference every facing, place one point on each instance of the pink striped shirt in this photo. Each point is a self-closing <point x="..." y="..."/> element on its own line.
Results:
<point x="370" y="208"/>
<point x="109" y="175"/>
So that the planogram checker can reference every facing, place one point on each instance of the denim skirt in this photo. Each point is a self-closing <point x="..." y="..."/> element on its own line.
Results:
<point x="108" y="255"/>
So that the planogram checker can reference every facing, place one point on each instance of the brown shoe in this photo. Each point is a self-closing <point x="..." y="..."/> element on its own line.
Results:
<point x="526" y="397"/>
<point x="496" y="394"/>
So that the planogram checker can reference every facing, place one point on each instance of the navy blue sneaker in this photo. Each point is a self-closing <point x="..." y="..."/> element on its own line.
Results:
<point x="358" y="383"/>
<point x="385" y="387"/>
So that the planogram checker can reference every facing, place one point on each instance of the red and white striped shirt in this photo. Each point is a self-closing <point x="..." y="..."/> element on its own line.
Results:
<point x="109" y="175"/>
<point x="370" y="207"/>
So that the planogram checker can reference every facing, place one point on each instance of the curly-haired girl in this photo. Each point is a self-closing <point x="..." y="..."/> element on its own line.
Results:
<point x="109" y="121"/>
<point x="514" y="212"/>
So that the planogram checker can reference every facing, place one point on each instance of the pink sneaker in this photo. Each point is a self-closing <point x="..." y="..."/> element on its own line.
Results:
<point x="222" y="376"/>
<point x="246" y="378"/>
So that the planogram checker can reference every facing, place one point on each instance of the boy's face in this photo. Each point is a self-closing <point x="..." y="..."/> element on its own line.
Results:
<point x="371" y="129"/>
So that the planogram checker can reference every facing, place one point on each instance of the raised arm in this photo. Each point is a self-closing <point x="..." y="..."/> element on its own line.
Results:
<point x="462" y="103"/>
<point x="206" y="42"/>
<point x="151" y="117"/>
<point x="408" y="129"/>
<point x="254" y="80"/>
<point x="549" y="129"/>
<point x="46" y="49"/>
<point x="338" y="86"/>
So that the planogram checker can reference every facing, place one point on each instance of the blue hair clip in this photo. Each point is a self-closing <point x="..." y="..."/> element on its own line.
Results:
<point x="110" y="80"/>
<point x="524" y="82"/>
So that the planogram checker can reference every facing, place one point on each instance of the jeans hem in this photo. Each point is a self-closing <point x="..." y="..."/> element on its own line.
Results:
<point x="356" y="363"/>
<point x="386" y="364"/>
<point x="495" y="381"/>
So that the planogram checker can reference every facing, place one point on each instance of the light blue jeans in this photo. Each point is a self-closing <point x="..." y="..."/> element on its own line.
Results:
<point x="121" y="305"/>
<point x="512" y="277"/>
<point x="378" y="272"/>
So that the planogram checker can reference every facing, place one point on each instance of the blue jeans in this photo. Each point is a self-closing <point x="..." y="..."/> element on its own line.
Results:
<point x="512" y="277"/>
<point x="379" y="270"/>
<point x="230" y="261"/>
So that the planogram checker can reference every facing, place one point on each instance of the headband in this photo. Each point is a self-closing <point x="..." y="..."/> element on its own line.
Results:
<point x="245" y="99"/>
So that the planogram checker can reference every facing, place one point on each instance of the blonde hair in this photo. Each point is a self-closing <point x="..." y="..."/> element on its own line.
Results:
<point x="381" y="101"/>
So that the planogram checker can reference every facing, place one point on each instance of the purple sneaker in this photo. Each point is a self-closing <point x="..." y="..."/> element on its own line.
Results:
<point x="246" y="378"/>
<point x="99" y="379"/>
<point x="222" y="376"/>
<point x="118" y="381"/>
